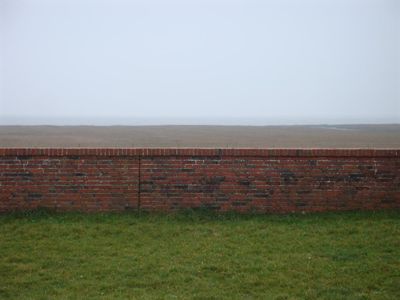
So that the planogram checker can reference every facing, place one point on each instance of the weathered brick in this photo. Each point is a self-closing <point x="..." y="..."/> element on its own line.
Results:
<point x="244" y="180"/>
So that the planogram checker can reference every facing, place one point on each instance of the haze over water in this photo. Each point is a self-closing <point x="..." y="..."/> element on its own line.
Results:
<point x="240" y="62"/>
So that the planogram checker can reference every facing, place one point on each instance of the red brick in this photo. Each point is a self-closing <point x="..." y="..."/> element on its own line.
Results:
<point x="260" y="180"/>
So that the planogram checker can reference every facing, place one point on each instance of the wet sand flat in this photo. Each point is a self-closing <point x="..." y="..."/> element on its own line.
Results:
<point x="304" y="136"/>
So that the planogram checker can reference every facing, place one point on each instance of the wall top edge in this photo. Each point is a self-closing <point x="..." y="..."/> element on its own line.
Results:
<point x="151" y="152"/>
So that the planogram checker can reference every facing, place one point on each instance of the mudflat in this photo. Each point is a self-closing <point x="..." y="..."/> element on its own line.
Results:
<point x="204" y="136"/>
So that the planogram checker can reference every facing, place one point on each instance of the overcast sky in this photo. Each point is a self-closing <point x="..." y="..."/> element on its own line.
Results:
<point x="200" y="61"/>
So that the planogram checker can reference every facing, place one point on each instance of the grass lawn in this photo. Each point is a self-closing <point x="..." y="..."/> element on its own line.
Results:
<point x="200" y="256"/>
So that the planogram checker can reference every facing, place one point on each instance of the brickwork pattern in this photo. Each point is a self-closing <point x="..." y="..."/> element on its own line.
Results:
<point x="243" y="180"/>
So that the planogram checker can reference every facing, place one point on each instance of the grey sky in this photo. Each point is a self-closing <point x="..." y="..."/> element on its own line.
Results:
<point x="285" y="61"/>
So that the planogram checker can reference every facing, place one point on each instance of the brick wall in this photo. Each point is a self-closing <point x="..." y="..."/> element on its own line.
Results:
<point x="245" y="180"/>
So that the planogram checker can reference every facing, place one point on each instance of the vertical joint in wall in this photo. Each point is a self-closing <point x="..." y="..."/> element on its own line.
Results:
<point x="139" y="182"/>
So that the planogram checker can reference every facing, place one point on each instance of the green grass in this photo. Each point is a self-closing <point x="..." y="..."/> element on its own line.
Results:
<point x="200" y="256"/>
